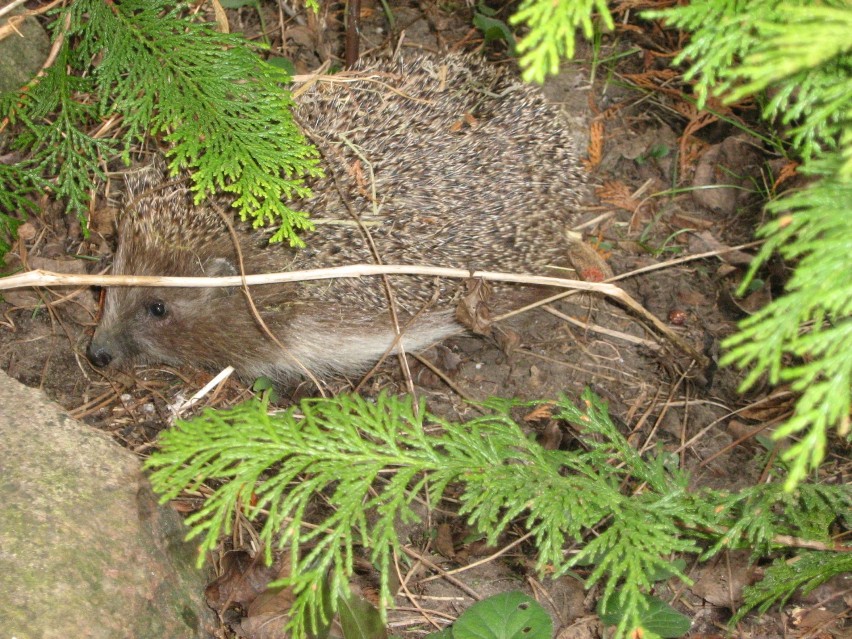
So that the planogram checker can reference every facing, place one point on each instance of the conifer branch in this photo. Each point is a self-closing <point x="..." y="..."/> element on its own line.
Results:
<point x="224" y="113"/>
<point x="369" y="459"/>
<point x="804" y="55"/>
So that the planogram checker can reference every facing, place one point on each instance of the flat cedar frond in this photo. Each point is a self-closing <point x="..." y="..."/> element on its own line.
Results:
<point x="803" y="53"/>
<point x="369" y="459"/>
<point x="552" y="28"/>
<point x="785" y="576"/>
<point x="756" y="515"/>
<point x="638" y="544"/>
<point x="15" y="185"/>
<point x="140" y="63"/>
<point x="811" y="322"/>
<point x="54" y="120"/>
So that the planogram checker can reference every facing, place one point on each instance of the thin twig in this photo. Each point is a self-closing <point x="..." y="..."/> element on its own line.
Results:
<point x="433" y="566"/>
<point x="480" y="562"/>
<point x="42" y="278"/>
<point x="9" y="7"/>
<point x="47" y="279"/>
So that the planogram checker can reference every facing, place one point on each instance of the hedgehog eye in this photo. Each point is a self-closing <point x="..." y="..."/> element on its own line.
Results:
<point x="157" y="308"/>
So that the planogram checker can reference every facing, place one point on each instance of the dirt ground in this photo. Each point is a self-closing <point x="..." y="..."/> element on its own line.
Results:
<point x="667" y="183"/>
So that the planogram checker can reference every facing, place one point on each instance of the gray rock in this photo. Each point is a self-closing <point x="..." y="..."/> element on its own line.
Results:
<point x="23" y="52"/>
<point x="85" y="551"/>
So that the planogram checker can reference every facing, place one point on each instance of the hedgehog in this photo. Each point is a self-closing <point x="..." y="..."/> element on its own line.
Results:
<point x="468" y="168"/>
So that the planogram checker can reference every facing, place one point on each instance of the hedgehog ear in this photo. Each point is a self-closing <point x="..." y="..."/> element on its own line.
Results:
<point x="220" y="267"/>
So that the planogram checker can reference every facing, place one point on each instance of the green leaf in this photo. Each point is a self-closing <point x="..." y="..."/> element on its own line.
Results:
<point x="237" y="4"/>
<point x="662" y="573"/>
<point x="285" y="64"/>
<point x="360" y="619"/>
<point x="268" y="388"/>
<point x="656" y="617"/>
<point x="510" y="615"/>
<point x="494" y="29"/>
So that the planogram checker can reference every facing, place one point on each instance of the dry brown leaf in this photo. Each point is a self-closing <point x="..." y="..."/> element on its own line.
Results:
<point x="749" y="304"/>
<point x="243" y="578"/>
<point x="625" y="6"/>
<point x="71" y="266"/>
<point x="697" y="122"/>
<point x="725" y="270"/>
<point x="30" y="298"/>
<point x="724" y="175"/>
<point x="589" y="262"/>
<point x="705" y="241"/>
<point x="777" y="404"/>
<point x="267" y="615"/>
<point x="300" y="35"/>
<point x="740" y="430"/>
<point x="444" y="541"/>
<point x="551" y="438"/>
<point x="267" y="626"/>
<point x="813" y="618"/>
<point x="588" y="628"/>
<point x="595" y="148"/>
<point x="221" y="17"/>
<point x="102" y="220"/>
<point x="474" y="549"/>
<point x="687" y="221"/>
<point x="22" y="298"/>
<point x="540" y="412"/>
<point x="26" y="231"/>
<point x="508" y="340"/>
<point x="274" y="601"/>
<point x="789" y="170"/>
<point x="472" y="310"/>
<point x="721" y="581"/>
<point x="618" y="194"/>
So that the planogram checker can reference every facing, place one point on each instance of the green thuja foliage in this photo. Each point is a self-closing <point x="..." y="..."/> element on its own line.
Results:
<point x="146" y="69"/>
<point x="799" y="51"/>
<point x="755" y="516"/>
<point x="804" y="338"/>
<point x="785" y="576"/>
<point x="552" y="26"/>
<point x="369" y="460"/>
<point x="15" y="185"/>
<point x="798" y="57"/>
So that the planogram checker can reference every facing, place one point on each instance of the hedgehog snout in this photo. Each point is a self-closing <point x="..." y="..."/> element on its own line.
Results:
<point x="98" y="354"/>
